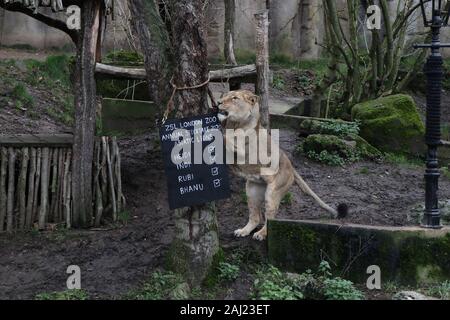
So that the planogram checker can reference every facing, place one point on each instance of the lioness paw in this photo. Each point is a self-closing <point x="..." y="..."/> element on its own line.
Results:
<point x="241" y="233"/>
<point x="260" y="235"/>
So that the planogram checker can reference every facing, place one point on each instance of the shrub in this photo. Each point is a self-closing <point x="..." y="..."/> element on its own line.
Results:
<point x="272" y="284"/>
<point x="340" y="289"/>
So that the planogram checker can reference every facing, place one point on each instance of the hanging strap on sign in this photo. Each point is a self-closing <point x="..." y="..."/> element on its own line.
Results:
<point x="170" y="103"/>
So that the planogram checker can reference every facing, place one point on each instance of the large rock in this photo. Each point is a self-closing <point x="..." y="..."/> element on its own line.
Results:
<point x="350" y="148"/>
<point x="411" y="295"/>
<point x="391" y="124"/>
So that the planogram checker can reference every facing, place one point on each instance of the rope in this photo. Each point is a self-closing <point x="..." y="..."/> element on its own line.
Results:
<point x="170" y="103"/>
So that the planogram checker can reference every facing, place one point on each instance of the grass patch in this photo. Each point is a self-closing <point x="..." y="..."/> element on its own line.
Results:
<point x="403" y="160"/>
<point x="441" y="291"/>
<point x="53" y="69"/>
<point x="64" y="295"/>
<point x="22" y="96"/>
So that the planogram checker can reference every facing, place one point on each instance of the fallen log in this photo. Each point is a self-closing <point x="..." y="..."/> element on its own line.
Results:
<point x="245" y="73"/>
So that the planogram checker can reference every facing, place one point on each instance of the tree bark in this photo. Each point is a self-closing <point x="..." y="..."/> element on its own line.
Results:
<point x="155" y="44"/>
<point x="196" y="237"/>
<point x="229" y="34"/>
<point x="85" y="111"/>
<point x="262" y="65"/>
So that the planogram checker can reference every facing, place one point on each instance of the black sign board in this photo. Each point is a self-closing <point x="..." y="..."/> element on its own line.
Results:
<point x="196" y="172"/>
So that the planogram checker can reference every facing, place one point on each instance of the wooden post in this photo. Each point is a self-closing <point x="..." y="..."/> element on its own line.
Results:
<point x="31" y="190"/>
<point x="262" y="64"/>
<point x="22" y="188"/>
<point x="43" y="211"/>
<point x="3" y="197"/>
<point x="11" y="187"/>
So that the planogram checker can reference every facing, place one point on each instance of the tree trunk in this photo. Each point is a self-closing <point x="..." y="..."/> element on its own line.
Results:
<point x="230" y="18"/>
<point x="154" y="40"/>
<point x="262" y="65"/>
<point x="85" y="111"/>
<point x="196" y="237"/>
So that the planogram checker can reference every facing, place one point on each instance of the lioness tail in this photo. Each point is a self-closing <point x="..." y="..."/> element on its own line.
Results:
<point x="306" y="189"/>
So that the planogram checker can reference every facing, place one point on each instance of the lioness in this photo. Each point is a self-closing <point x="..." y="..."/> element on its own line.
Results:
<point x="240" y="110"/>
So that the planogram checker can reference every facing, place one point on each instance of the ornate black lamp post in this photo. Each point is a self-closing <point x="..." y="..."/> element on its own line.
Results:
<point x="433" y="69"/>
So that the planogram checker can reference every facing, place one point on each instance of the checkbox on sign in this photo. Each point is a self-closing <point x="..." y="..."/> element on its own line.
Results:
<point x="217" y="183"/>
<point x="215" y="171"/>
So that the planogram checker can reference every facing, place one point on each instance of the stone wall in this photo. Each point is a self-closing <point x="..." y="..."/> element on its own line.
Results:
<point x="19" y="29"/>
<point x="296" y="28"/>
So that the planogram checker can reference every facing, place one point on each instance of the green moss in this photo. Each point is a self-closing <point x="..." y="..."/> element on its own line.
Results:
<point x="177" y="258"/>
<point x="335" y="150"/>
<point x="335" y="128"/>
<point x="213" y="276"/>
<point x="391" y="124"/>
<point x="405" y="257"/>
<point x="125" y="58"/>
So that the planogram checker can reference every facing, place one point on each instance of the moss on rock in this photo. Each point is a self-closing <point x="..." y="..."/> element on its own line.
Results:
<point x="349" y="148"/>
<point x="409" y="255"/>
<point x="391" y="124"/>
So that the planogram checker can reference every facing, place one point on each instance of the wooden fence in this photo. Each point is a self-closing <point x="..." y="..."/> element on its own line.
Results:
<point x="35" y="181"/>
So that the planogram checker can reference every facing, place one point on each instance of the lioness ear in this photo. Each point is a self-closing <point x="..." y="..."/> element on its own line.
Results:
<point x="254" y="99"/>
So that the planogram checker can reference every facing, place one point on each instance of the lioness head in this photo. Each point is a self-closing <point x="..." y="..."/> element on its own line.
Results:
<point x="239" y="106"/>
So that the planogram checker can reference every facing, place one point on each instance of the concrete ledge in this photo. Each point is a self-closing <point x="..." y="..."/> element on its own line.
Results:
<point x="406" y="255"/>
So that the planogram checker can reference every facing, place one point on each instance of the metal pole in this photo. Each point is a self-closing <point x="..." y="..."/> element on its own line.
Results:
<point x="434" y="73"/>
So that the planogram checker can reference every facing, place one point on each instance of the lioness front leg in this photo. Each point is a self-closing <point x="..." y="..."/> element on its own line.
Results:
<point x="273" y="199"/>
<point x="255" y="200"/>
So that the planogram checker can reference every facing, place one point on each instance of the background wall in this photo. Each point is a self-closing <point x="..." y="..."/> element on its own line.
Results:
<point x="296" y="28"/>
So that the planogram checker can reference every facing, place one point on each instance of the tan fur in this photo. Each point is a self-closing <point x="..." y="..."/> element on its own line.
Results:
<point x="240" y="110"/>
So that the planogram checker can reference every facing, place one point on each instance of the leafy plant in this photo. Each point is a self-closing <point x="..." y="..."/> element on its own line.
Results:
<point x="159" y="287"/>
<point x="328" y="158"/>
<point x="322" y="285"/>
<point x="278" y="82"/>
<point x="272" y="284"/>
<point x="340" y="289"/>
<point x="228" y="272"/>
<point x="64" y="295"/>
